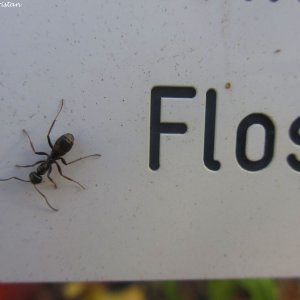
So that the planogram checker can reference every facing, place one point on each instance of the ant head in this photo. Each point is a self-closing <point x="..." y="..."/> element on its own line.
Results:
<point x="35" y="178"/>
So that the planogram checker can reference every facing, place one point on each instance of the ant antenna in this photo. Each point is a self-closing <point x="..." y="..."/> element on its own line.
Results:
<point x="6" y="179"/>
<point x="55" y="209"/>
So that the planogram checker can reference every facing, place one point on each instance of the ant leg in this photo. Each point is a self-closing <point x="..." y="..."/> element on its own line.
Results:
<point x="27" y="166"/>
<point x="31" y="144"/>
<point x="15" y="178"/>
<point x="68" y="178"/>
<point x="55" y="209"/>
<point x="48" y="136"/>
<point x="48" y="175"/>
<point x="68" y="163"/>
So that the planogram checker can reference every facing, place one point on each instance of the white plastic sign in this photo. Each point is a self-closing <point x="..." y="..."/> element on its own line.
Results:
<point x="195" y="109"/>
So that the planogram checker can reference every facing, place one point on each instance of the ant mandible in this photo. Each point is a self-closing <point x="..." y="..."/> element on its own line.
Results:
<point x="62" y="145"/>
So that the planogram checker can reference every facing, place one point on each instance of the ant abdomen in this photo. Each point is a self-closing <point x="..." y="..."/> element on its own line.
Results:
<point x="63" y="145"/>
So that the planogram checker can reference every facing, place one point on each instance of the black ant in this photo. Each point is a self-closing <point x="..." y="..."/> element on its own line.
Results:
<point x="62" y="145"/>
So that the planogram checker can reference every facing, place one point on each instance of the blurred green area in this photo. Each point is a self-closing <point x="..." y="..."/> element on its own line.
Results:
<point x="243" y="289"/>
<point x="240" y="289"/>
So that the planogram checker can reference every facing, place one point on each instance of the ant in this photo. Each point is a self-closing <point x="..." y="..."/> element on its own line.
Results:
<point x="62" y="145"/>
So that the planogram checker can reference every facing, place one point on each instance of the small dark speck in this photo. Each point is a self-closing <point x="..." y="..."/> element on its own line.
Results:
<point x="45" y="117"/>
<point x="227" y="85"/>
<point x="277" y="51"/>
